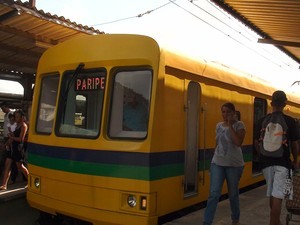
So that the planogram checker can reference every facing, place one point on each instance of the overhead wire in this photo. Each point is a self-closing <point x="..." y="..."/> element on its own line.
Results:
<point x="230" y="36"/>
<point x="228" y="17"/>
<point x="218" y="29"/>
<point x="209" y="24"/>
<point x="242" y="27"/>
<point x="133" y="17"/>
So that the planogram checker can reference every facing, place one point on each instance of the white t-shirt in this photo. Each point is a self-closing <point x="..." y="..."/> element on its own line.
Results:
<point x="11" y="126"/>
<point x="226" y="152"/>
<point x="5" y="123"/>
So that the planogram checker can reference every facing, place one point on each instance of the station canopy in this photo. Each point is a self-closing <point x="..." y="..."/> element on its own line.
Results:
<point x="276" y="21"/>
<point x="25" y="33"/>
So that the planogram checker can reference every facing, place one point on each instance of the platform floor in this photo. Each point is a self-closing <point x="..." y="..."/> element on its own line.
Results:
<point x="254" y="210"/>
<point x="17" y="190"/>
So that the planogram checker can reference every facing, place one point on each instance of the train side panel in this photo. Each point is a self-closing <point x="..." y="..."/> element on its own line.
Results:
<point x="107" y="180"/>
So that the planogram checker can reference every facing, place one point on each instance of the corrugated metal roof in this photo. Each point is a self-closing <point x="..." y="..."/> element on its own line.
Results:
<point x="25" y="33"/>
<point x="277" y="21"/>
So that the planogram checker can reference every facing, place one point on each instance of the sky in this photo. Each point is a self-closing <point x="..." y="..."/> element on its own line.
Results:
<point x="195" y="28"/>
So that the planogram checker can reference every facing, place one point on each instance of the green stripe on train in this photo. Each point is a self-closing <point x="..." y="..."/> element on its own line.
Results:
<point x="108" y="170"/>
<point x="118" y="171"/>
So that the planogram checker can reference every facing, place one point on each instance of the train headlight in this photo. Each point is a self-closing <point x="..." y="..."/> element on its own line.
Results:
<point x="34" y="183"/>
<point x="131" y="200"/>
<point x="37" y="182"/>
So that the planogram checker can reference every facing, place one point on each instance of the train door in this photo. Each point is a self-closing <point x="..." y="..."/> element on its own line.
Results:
<point x="191" y="153"/>
<point x="260" y="110"/>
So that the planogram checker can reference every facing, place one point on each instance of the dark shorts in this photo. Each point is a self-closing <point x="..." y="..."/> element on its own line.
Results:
<point x="5" y="139"/>
<point x="15" y="154"/>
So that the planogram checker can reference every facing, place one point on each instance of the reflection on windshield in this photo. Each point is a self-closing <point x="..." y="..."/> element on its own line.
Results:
<point x="135" y="111"/>
<point x="81" y="112"/>
<point x="130" y="104"/>
<point x="47" y="103"/>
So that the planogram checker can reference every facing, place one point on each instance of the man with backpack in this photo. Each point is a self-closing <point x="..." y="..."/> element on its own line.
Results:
<point x="276" y="137"/>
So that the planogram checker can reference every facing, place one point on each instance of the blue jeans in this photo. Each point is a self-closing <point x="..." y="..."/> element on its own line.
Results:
<point x="218" y="174"/>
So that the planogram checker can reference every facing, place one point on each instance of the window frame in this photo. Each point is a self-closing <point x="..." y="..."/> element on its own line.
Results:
<point x="38" y="110"/>
<point x="61" y="107"/>
<point x="128" y="135"/>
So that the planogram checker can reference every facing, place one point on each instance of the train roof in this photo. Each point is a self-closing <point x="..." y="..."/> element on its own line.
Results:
<point x="222" y="73"/>
<point x="82" y="49"/>
<point x="147" y="47"/>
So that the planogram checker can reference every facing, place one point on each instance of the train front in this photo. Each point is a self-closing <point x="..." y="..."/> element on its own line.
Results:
<point x="89" y="134"/>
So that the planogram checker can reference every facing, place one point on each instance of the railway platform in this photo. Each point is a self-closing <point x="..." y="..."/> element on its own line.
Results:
<point x="14" y="209"/>
<point x="14" y="191"/>
<point x="254" y="211"/>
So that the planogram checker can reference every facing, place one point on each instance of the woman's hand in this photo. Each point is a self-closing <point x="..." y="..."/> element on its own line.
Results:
<point x="10" y="135"/>
<point x="231" y="119"/>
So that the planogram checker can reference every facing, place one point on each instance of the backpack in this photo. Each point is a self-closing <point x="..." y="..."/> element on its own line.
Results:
<point x="273" y="138"/>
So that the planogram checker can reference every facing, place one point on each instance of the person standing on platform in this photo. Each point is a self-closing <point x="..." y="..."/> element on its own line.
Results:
<point x="8" y="112"/>
<point x="227" y="164"/>
<point x="17" y="149"/>
<point x="276" y="168"/>
<point x="11" y="126"/>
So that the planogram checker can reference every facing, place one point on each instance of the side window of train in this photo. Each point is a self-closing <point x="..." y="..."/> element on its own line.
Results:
<point x="81" y="104"/>
<point x="47" y="104"/>
<point x="260" y="108"/>
<point x="298" y="127"/>
<point x="130" y="105"/>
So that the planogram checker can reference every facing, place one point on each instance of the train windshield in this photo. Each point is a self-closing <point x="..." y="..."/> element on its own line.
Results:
<point x="47" y="103"/>
<point x="81" y="103"/>
<point x="130" y="104"/>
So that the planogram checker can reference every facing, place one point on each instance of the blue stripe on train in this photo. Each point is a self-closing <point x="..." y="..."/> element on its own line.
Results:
<point x="119" y="157"/>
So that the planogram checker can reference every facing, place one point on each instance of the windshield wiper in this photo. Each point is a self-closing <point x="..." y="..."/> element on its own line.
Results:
<point x="76" y="72"/>
<point x="65" y="97"/>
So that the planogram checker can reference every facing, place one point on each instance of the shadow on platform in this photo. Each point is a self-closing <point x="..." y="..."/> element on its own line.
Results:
<point x="254" y="210"/>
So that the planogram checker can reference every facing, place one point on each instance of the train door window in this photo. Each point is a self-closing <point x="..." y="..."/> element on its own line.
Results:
<point x="81" y="104"/>
<point x="192" y="134"/>
<point x="130" y="104"/>
<point x="260" y="110"/>
<point x="47" y="104"/>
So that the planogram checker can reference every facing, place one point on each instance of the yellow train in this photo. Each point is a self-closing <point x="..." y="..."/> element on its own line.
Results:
<point x="122" y="131"/>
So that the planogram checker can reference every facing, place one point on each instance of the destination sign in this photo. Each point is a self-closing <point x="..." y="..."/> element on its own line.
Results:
<point x="89" y="83"/>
